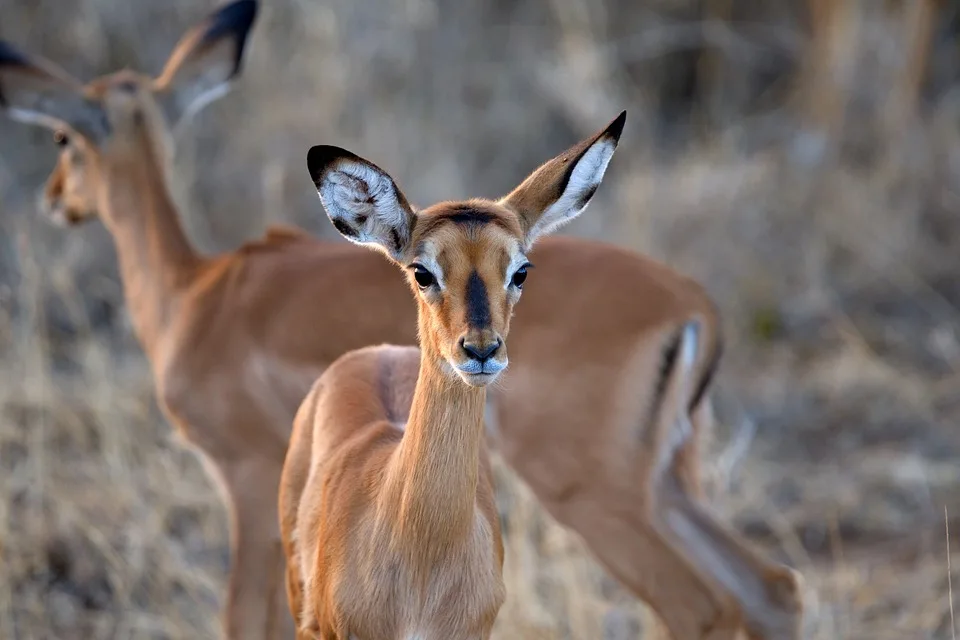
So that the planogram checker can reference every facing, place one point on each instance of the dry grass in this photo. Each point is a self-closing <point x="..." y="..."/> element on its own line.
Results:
<point x="839" y="394"/>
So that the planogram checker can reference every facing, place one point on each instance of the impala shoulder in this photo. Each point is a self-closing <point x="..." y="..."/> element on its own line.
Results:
<point x="385" y="372"/>
<point x="368" y="360"/>
<point x="277" y="236"/>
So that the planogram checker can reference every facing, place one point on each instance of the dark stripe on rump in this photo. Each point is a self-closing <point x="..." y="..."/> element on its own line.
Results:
<point x="708" y="373"/>
<point x="478" y="306"/>
<point x="668" y="363"/>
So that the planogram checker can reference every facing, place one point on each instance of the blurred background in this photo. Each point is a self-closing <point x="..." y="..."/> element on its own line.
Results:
<point x="799" y="158"/>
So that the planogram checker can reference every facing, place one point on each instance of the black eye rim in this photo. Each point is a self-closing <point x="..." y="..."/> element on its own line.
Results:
<point x="60" y="138"/>
<point x="428" y="278"/>
<point x="522" y="272"/>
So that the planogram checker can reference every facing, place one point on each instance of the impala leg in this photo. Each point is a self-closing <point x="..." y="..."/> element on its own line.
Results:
<point x="638" y="555"/>
<point x="768" y="593"/>
<point x="256" y="598"/>
<point x="686" y="462"/>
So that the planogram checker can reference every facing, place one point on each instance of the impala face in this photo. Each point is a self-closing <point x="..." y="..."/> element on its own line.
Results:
<point x="118" y="103"/>
<point x="70" y="197"/>
<point x="466" y="261"/>
<point x="91" y="122"/>
<point x="467" y="268"/>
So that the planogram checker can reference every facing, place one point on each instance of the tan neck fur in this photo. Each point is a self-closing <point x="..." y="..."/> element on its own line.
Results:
<point x="156" y="259"/>
<point x="431" y="485"/>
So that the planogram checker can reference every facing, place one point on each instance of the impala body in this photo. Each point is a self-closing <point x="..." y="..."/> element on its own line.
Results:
<point x="386" y="500"/>
<point x="236" y="340"/>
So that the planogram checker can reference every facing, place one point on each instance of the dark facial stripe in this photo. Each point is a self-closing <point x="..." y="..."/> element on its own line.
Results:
<point x="478" y="306"/>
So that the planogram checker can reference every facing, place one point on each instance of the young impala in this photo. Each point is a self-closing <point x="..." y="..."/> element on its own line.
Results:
<point x="386" y="502"/>
<point x="236" y="340"/>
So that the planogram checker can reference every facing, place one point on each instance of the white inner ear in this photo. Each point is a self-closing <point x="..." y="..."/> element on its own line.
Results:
<point x="366" y="200"/>
<point x="195" y="103"/>
<point x="584" y="180"/>
<point x="28" y="116"/>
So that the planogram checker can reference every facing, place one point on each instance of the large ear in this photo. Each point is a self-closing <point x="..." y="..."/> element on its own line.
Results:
<point x="36" y="91"/>
<point x="361" y="199"/>
<point x="561" y="188"/>
<point x="207" y="58"/>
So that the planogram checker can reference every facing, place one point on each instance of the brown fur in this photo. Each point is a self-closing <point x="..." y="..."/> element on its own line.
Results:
<point x="236" y="340"/>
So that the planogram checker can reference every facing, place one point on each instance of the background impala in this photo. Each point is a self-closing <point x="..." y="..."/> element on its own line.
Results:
<point x="834" y="265"/>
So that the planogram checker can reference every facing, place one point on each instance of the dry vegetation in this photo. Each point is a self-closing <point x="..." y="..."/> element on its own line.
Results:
<point x="837" y="274"/>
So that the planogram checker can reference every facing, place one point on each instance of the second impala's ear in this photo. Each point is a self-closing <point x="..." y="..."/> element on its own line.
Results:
<point x="561" y="188"/>
<point x="207" y="58"/>
<point x="361" y="199"/>
<point x="36" y="91"/>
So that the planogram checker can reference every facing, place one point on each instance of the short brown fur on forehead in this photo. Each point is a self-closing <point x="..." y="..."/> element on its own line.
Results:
<point x="461" y="248"/>
<point x="468" y="213"/>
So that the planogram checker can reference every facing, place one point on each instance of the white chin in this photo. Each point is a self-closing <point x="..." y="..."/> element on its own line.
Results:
<point x="478" y="379"/>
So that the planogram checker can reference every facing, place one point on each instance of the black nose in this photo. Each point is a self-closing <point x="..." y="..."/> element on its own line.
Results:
<point x="480" y="351"/>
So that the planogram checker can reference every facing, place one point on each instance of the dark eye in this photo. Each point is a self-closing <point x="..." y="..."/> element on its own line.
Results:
<point x="60" y="138"/>
<point x="423" y="277"/>
<point x="520" y="276"/>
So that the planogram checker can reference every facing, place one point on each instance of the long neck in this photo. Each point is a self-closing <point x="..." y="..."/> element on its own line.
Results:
<point x="156" y="258"/>
<point x="434" y="476"/>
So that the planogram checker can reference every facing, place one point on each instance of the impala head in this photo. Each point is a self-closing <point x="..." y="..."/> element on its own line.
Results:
<point x="91" y="121"/>
<point x="466" y="261"/>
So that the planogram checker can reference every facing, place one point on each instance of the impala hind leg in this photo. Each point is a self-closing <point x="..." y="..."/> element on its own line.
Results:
<point x="629" y="545"/>
<point x="768" y="593"/>
<point x="256" y="606"/>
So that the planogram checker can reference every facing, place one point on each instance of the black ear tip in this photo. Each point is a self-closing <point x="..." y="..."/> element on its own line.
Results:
<point x="615" y="129"/>
<point x="319" y="159"/>
<point x="239" y="14"/>
<point x="10" y="55"/>
<point x="236" y="18"/>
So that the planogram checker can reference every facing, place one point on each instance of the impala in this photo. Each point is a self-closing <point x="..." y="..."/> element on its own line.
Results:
<point x="236" y="340"/>
<point x="386" y="501"/>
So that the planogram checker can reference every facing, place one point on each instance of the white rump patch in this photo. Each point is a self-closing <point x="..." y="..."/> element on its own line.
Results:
<point x="365" y="200"/>
<point x="584" y="180"/>
<point x="689" y="341"/>
<point x="677" y="428"/>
